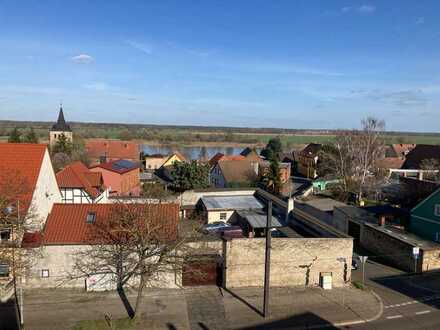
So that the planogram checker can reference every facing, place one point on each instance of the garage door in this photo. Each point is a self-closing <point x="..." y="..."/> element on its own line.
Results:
<point x="202" y="272"/>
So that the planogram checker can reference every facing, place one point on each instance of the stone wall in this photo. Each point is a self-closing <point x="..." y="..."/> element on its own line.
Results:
<point x="294" y="261"/>
<point x="430" y="260"/>
<point x="399" y="252"/>
<point x="396" y="251"/>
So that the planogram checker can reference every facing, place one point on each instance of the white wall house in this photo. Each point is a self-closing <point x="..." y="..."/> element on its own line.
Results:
<point x="79" y="185"/>
<point x="64" y="243"/>
<point x="80" y="196"/>
<point x="223" y="208"/>
<point x="31" y="162"/>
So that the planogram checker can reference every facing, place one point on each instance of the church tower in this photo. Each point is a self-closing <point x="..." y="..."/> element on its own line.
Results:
<point x="60" y="128"/>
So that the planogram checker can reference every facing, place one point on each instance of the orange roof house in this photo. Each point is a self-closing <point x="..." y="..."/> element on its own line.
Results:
<point x="72" y="223"/>
<point x="80" y="185"/>
<point x="122" y="177"/>
<point x="222" y="157"/>
<point x="101" y="150"/>
<point x="70" y="230"/>
<point x="30" y="165"/>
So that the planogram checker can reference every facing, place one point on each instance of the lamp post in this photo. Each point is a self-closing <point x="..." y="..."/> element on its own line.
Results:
<point x="363" y="260"/>
<point x="416" y="253"/>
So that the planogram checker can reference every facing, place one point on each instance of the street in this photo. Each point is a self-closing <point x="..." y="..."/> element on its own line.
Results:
<point x="408" y="304"/>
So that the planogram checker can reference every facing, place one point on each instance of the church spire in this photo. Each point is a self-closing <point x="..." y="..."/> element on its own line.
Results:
<point x="61" y="124"/>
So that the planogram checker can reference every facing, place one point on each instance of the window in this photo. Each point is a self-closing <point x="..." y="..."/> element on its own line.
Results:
<point x="45" y="273"/>
<point x="437" y="210"/>
<point x="4" y="270"/>
<point x="5" y="235"/>
<point x="223" y="216"/>
<point x="91" y="217"/>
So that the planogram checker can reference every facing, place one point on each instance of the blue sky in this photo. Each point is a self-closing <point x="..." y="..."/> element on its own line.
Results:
<point x="290" y="64"/>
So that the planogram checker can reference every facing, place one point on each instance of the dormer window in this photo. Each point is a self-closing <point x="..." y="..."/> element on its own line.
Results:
<point x="4" y="269"/>
<point x="5" y="235"/>
<point x="91" y="217"/>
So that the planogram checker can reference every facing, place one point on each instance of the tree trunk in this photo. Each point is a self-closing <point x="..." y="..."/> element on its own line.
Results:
<point x="125" y="301"/>
<point x="139" y="298"/>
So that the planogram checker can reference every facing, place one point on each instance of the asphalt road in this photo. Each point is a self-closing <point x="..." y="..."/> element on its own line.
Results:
<point x="407" y="304"/>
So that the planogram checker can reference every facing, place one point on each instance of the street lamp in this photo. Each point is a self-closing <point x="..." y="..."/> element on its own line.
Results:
<point x="363" y="260"/>
<point x="344" y="261"/>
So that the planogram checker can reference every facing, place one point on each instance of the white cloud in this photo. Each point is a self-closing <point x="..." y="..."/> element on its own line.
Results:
<point x="97" y="86"/>
<point x="83" y="59"/>
<point x="144" y="48"/>
<point x="366" y="9"/>
<point x="346" y="9"/>
<point x="420" y="20"/>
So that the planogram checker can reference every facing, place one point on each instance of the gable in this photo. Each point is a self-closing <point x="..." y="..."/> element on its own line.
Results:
<point x="426" y="208"/>
<point x="170" y="161"/>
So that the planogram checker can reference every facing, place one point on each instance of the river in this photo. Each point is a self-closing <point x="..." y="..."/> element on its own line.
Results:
<point x="191" y="152"/>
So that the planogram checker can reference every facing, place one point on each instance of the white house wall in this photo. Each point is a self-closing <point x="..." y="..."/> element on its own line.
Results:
<point x="46" y="193"/>
<point x="214" y="216"/>
<point x="59" y="260"/>
<point x="80" y="196"/>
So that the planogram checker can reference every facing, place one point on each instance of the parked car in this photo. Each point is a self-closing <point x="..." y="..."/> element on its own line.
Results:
<point x="215" y="227"/>
<point x="232" y="232"/>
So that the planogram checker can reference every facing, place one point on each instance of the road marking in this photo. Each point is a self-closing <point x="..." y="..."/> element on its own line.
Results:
<point x="394" y="317"/>
<point x="421" y="300"/>
<point x="423" y="312"/>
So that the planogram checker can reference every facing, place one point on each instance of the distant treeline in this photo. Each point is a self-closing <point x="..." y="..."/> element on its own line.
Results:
<point x="194" y="134"/>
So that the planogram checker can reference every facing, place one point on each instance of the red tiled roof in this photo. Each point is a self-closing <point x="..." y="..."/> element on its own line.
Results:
<point x="31" y="240"/>
<point x="26" y="160"/>
<point x="238" y="170"/>
<point x="66" y="224"/>
<point x="219" y="157"/>
<point x="77" y="175"/>
<point x="112" y="149"/>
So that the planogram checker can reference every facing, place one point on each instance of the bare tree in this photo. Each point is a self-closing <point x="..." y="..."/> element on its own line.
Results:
<point x="353" y="157"/>
<point x="433" y="166"/>
<point x="136" y="245"/>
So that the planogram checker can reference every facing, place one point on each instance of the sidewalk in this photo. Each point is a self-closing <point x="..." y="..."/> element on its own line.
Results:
<point x="206" y="308"/>
<point x="300" y="308"/>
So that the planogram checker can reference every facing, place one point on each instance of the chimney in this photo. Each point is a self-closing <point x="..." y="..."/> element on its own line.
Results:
<point x="290" y="207"/>
<point x="382" y="220"/>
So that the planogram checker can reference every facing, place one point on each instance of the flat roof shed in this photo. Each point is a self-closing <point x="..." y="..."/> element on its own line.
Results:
<point x="239" y="202"/>
<point x="258" y="219"/>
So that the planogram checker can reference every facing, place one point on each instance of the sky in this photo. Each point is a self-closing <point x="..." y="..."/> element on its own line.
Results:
<point x="288" y="64"/>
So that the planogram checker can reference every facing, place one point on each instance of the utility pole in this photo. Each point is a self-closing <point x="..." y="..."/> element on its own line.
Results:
<point x="267" y="260"/>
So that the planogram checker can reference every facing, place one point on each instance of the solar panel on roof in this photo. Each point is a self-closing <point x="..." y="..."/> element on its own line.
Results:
<point x="123" y="164"/>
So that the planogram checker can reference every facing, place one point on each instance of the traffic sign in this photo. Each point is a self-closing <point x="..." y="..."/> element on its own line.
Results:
<point x="363" y="259"/>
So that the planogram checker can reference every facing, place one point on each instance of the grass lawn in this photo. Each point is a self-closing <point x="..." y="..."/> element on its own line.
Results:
<point x="118" y="324"/>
